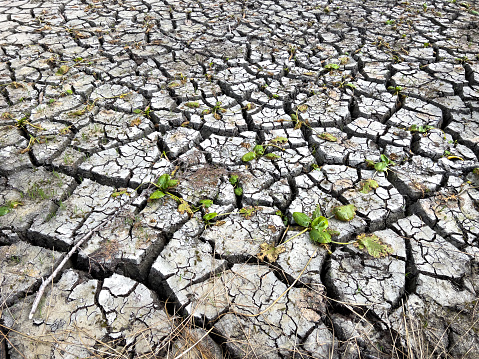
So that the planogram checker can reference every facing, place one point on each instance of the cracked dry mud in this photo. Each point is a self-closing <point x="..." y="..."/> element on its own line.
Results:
<point x="100" y="98"/>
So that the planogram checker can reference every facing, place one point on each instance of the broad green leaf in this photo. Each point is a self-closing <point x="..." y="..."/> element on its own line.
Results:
<point x="163" y="181"/>
<point x="381" y="166"/>
<point x="157" y="194"/>
<point x="328" y="137"/>
<point x="238" y="191"/>
<point x="370" y="163"/>
<point x="63" y="70"/>
<point x="4" y="210"/>
<point x="331" y="67"/>
<point x="234" y="179"/>
<point x="320" y="223"/>
<point x="368" y="185"/>
<point x="317" y="212"/>
<point x="333" y="232"/>
<point x="209" y="216"/>
<point x="248" y="156"/>
<point x="345" y="213"/>
<point x="272" y="156"/>
<point x="320" y="236"/>
<point x="69" y="92"/>
<point x="373" y="245"/>
<point x="270" y="252"/>
<point x="259" y="150"/>
<point x="137" y="111"/>
<point x="207" y="203"/>
<point x="301" y="219"/>
<point x="172" y="183"/>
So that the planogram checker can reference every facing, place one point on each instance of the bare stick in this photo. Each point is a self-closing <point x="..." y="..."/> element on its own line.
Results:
<point x="56" y="271"/>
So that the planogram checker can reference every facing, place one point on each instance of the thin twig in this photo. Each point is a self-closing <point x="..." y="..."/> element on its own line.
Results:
<point x="57" y="270"/>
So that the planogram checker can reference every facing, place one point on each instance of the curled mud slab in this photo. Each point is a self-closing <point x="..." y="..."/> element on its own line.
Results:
<point x="371" y="104"/>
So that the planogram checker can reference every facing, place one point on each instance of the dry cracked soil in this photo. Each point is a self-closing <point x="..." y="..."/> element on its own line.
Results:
<point x="256" y="110"/>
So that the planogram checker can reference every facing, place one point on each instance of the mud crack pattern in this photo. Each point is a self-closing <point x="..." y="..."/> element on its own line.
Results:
<point x="100" y="98"/>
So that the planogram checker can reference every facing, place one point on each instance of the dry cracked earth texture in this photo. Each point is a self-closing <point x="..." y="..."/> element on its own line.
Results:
<point x="257" y="110"/>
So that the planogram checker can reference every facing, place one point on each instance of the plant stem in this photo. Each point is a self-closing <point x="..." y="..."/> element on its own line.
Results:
<point x="296" y="235"/>
<point x="345" y="243"/>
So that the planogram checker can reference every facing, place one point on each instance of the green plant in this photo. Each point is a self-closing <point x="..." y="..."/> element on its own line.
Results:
<point x="163" y="184"/>
<point x="234" y="180"/>
<point x="395" y="90"/>
<point x="62" y="70"/>
<point x="372" y="243"/>
<point x="382" y="165"/>
<point x="247" y="212"/>
<point x="258" y="151"/>
<point x="390" y="22"/>
<point x="206" y="203"/>
<point x="328" y="137"/>
<point x="9" y="206"/>
<point x="284" y="218"/>
<point x="192" y="104"/>
<point x="146" y="112"/>
<point x="368" y="185"/>
<point x="420" y="128"/>
<point x="38" y="193"/>
<point x="317" y="226"/>
<point x="331" y="67"/>
<point x="216" y="110"/>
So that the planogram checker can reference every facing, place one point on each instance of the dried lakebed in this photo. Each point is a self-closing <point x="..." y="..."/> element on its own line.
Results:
<point x="257" y="111"/>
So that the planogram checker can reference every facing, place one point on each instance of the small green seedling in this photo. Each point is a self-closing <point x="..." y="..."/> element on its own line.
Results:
<point x="234" y="180"/>
<point x="120" y="192"/>
<point x="390" y="22"/>
<point x="247" y="212"/>
<point x="163" y="184"/>
<point x="258" y="151"/>
<point x="206" y="203"/>
<point x="381" y="166"/>
<point x="395" y="90"/>
<point x="216" y="111"/>
<point x="331" y="67"/>
<point x="9" y="206"/>
<point x="208" y="217"/>
<point x="420" y="128"/>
